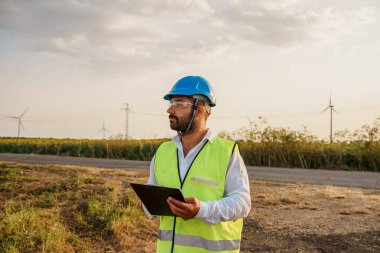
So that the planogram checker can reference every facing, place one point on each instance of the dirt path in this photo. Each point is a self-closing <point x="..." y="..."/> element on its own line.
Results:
<point x="312" y="218"/>
<point x="311" y="176"/>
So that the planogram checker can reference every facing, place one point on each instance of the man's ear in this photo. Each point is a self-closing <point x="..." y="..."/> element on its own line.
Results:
<point x="201" y="110"/>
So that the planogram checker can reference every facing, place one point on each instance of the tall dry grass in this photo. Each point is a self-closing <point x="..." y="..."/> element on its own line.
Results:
<point x="112" y="149"/>
<point x="263" y="145"/>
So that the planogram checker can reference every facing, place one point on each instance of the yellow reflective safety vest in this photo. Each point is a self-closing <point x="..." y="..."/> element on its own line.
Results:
<point x="204" y="180"/>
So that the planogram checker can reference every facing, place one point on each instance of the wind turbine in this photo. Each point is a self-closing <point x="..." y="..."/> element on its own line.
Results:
<point x="104" y="130"/>
<point x="19" y="122"/>
<point x="331" y="107"/>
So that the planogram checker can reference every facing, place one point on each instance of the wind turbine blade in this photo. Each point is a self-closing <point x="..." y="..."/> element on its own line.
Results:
<point x="99" y="131"/>
<point x="24" y="112"/>
<point x="335" y="111"/>
<point x="11" y="117"/>
<point x="325" y="109"/>
<point x="330" y="98"/>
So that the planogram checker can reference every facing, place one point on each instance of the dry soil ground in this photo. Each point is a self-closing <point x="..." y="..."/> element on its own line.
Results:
<point x="312" y="218"/>
<point x="288" y="217"/>
<point x="285" y="217"/>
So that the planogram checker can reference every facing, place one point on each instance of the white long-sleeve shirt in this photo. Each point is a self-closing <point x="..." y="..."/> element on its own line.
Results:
<point x="236" y="202"/>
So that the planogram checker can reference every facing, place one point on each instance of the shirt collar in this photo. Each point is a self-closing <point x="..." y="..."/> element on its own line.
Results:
<point x="208" y="136"/>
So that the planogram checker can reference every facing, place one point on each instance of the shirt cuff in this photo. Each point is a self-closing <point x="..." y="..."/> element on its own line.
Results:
<point x="147" y="212"/>
<point x="203" y="210"/>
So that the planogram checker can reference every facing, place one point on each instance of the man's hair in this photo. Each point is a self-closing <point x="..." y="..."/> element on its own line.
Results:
<point x="205" y="102"/>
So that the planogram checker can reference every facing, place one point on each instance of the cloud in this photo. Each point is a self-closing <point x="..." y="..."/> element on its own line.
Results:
<point x="143" y="34"/>
<point x="289" y="22"/>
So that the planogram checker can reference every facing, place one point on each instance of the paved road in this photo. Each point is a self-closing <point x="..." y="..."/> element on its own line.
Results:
<point x="325" y="177"/>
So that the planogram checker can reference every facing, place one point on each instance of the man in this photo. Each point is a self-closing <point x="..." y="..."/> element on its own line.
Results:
<point x="208" y="169"/>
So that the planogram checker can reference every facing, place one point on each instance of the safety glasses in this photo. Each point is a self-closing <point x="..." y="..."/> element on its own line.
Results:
<point x="178" y="104"/>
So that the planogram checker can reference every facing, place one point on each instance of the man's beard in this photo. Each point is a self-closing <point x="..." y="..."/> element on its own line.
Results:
<point x="181" y="125"/>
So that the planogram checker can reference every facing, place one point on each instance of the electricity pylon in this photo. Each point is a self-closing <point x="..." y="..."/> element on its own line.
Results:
<point x="127" y="109"/>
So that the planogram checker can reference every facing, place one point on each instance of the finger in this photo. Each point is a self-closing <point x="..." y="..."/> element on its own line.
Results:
<point x="178" y="203"/>
<point x="185" y="214"/>
<point x="174" y="205"/>
<point x="180" y="212"/>
<point x="177" y="211"/>
<point x="190" y="200"/>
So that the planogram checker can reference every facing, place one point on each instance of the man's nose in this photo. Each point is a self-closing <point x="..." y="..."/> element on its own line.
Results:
<point x="170" y="110"/>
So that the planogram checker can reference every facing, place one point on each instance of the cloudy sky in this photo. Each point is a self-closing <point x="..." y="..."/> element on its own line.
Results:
<point x="75" y="63"/>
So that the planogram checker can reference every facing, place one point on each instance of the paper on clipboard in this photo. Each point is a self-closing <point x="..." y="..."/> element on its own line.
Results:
<point x="154" y="198"/>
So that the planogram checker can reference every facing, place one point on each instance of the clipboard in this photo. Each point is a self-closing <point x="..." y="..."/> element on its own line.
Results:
<point x="154" y="198"/>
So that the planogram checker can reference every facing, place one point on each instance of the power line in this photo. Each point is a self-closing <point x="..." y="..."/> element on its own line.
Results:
<point x="141" y="111"/>
<point x="149" y="114"/>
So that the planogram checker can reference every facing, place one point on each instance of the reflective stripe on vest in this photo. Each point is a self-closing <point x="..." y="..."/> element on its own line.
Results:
<point x="196" y="241"/>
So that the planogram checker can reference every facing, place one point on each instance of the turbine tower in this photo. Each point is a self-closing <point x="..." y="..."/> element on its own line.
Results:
<point x="104" y="131"/>
<point x="331" y="107"/>
<point x="19" y="121"/>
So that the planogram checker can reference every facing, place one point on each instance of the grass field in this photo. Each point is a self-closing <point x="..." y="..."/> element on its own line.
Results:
<point x="71" y="209"/>
<point x="286" y="151"/>
<point x="260" y="145"/>
<point x="48" y="208"/>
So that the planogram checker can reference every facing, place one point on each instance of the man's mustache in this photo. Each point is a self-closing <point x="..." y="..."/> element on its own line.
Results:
<point x="171" y="116"/>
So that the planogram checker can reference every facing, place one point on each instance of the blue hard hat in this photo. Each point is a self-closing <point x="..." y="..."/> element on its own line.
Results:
<point x="192" y="85"/>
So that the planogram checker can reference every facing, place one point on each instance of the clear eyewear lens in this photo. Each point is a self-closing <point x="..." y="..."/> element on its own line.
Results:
<point x="177" y="104"/>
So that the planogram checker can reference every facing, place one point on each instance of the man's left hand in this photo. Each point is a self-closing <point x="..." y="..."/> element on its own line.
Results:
<point x="184" y="210"/>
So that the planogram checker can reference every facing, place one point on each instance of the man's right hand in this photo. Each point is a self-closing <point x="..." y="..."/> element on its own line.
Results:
<point x="184" y="210"/>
